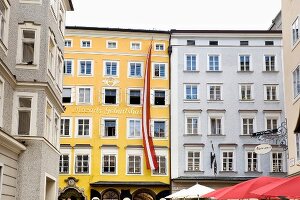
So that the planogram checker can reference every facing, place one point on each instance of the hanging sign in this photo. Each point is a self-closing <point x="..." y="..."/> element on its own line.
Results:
<point x="263" y="149"/>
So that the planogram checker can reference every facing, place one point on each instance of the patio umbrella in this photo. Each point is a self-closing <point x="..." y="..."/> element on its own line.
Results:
<point x="215" y="192"/>
<point x="286" y="187"/>
<point x="177" y="195"/>
<point x="243" y="189"/>
<point x="197" y="191"/>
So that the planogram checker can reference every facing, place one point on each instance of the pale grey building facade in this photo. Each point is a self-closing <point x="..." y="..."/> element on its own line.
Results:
<point x="31" y="64"/>
<point x="225" y="85"/>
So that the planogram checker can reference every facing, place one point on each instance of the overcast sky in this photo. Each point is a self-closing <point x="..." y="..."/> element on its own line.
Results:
<point x="174" y="14"/>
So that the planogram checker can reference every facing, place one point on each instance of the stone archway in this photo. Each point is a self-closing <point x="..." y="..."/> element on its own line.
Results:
<point x="143" y="194"/>
<point x="71" y="194"/>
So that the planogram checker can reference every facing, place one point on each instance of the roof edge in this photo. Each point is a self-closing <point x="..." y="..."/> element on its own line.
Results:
<point x="225" y="31"/>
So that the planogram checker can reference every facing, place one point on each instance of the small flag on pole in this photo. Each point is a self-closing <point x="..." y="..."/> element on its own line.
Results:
<point x="147" y="138"/>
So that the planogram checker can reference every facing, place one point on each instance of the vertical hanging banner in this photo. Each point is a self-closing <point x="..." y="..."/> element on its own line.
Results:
<point x="147" y="138"/>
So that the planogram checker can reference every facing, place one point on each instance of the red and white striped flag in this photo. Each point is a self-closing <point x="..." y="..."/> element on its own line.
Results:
<point x="147" y="138"/>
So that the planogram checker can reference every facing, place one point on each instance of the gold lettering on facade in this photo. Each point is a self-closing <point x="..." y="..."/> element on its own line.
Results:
<point x="109" y="111"/>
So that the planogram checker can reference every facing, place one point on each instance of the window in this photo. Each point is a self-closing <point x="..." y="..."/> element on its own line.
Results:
<point x="192" y="124"/>
<point x="84" y="95"/>
<point x="277" y="162"/>
<point x="213" y="63"/>
<point x="159" y="70"/>
<point x="49" y="116"/>
<point x="162" y="165"/>
<point x="56" y="130"/>
<point x="134" y="96"/>
<point x="29" y="42"/>
<point x="51" y="54"/>
<point x="191" y="91"/>
<point x="269" y="63"/>
<point x="109" y="164"/>
<point x="247" y="124"/>
<point x="24" y="115"/>
<point x="246" y="92"/>
<point x="272" y="120"/>
<point x="159" y="97"/>
<point x="244" y="43"/>
<point x="54" y="7"/>
<point x="135" y="69"/>
<point x="86" y="43"/>
<point x="67" y="95"/>
<point x="58" y="70"/>
<point x="244" y="63"/>
<point x="271" y="93"/>
<point x="64" y="164"/>
<point x="111" y="45"/>
<point x="68" y="67"/>
<point x="190" y="42"/>
<point x="65" y="126"/>
<point x="110" y="127"/>
<point x="252" y="161"/>
<point x="110" y="96"/>
<point x="159" y="47"/>
<point x="135" y="129"/>
<point x="85" y="68"/>
<point x="215" y="123"/>
<point x="82" y="164"/>
<point x="111" y="68"/>
<point x="272" y="123"/>
<point x="193" y="160"/>
<point x="295" y="30"/>
<point x="61" y="18"/>
<point x="296" y="81"/>
<point x="84" y="127"/>
<point x="159" y="129"/>
<point x="190" y="62"/>
<point x="1" y="100"/>
<point x="68" y="43"/>
<point x="298" y="146"/>
<point x="227" y="160"/>
<point x="213" y="43"/>
<point x="4" y="16"/>
<point x="215" y="92"/>
<point x="134" y="164"/>
<point x="135" y="46"/>
<point x="269" y="43"/>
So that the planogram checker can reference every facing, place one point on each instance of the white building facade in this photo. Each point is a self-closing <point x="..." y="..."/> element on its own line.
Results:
<point x="225" y="85"/>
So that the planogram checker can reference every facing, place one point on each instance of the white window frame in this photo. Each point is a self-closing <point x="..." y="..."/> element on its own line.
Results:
<point x="185" y="62"/>
<point x="185" y="91"/>
<point x="134" y="42"/>
<point x="4" y="39"/>
<point x="109" y="151"/>
<point x="117" y="96"/>
<point x="164" y="153"/>
<point x="71" y="42"/>
<point x="250" y="63"/>
<point x="166" y="128"/>
<point x="296" y="82"/>
<point x="283" y="160"/>
<point x="159" y="43"/>
<point x="193" y="149"/>
<point x="85" y="40"/>
<point x="129" y="69"/>
<point x="78" y="96"/>
<point x="66" y="151"/>
<point x="90" y="127"/>
<point x="33" y="117"/>
<point x="251" y="150"/>
<point x="79" y="67"/>
<point x="248" y="115"/>
<point x="192" y="115"/>
<point x="228" y="149"/>
<point x="251" y="92"/>
<point x="48" y="133"/>
<point x="134" y="152"/>
<point x="36" y="55"/>
<point x="275" y="62"/>
<point x="72" y="67"/>
<point x="117" y="69"/>
<point x="82" y="151"/>
<point x="265" y="92"/>
<point x="51" y="61"/>
<point x="219" y="63"/>
<point x="102" y="122"/>
<point x="152" y="97"/>
<point x="61" y="18"/>
<point x="141" y="97"/>
<point x="111" y="41"/>
<point x="216" y="115"/>
<point x="53" y="190"/>
<point x="2" y="95"/>
<point x="272" y="116"/>
<point x="166" y="70"/>
<point x="128" y="128"/>
<point x="31" y="1"/>
<point x="58" y="70"/>
<point x="70" y="127"/>
<point x="208" y="92"/>
<point x="73" y="94"/>
<point x="295" y="26"/>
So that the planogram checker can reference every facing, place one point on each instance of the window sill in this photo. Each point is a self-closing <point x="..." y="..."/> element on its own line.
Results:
<point x="160" y="106"/>
<point x="65" y="136"/>
<point x="247" y="101"/>
<point x="192" y="134"/>
<point x="271" y="72"/>
<point x="85" y="75"/>
<point x="108" y="104"/>
<point x="134" y="174"/>
<point x="191" y="101"/>
<point x="159" y="78"/>
<point x="244" y="135"/>
<point x="228" y="172"/>
<point x="26" y="66"/>
<point x="82" y="174"/>
<point x="239" y="71"/>
<point x="191" y="71"/>
<point x="278" y="173"/>
<point x="83" y="103"/>
<point x="271" y="101"/>
<point x="253" y="172"/>
<point x="134" y="138"/>
<point x="191" y="171"/>
<point x="214" y="71"/>
<point x="215" y="101"/>
<point x="134" y="105"/>
<point x="135" y="77"/>
<point x="159" y="174"/>
<point x="160" y="138"/>
<point x="85" y="47"/>
<point x="109" y="137"/>
<point x="216" y="135"/>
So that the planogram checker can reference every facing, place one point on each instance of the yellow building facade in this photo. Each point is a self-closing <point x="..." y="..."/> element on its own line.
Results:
<point x="102" y="155"/>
